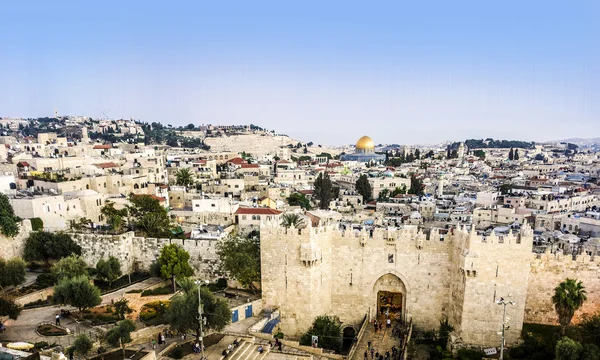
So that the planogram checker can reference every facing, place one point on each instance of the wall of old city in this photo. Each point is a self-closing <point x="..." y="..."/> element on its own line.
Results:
<point x="547" y="271"/>
<point x="138" y="253"/>
<point x="316" y="271"/>
<point x="13" y="246"/>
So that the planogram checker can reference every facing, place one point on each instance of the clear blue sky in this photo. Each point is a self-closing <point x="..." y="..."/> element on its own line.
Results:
<point x="323" y="71"/>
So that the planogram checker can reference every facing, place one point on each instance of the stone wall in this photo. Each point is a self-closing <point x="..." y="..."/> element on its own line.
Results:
<point x="13" y="247"/>
<point x="316" y="271"/>
<point x="139" y="252"/>
<point x="34" y="296"/>
<point x="547" y="271"/>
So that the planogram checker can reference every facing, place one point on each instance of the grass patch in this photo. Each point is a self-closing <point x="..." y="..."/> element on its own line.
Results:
<point x="165" y="290"/>
<point x="51" y="330"/>
<point x="186" y="348"/>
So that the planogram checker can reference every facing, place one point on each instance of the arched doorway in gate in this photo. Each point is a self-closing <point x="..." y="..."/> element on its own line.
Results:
<point x="348" y="335"/>
<point x="389" y="297"/>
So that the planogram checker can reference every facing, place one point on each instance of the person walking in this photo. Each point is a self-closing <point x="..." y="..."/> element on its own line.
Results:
<point x="366" y="355"/>
<point x="57" y="319"/>
<point x="159" y="338"/>
<point x="153" y="344"/>
<point x="388" y="323"/>
<point x="372" y="353"/>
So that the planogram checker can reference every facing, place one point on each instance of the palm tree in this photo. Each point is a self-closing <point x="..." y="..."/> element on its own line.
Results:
<point x="292" y="219"/>
<point x="569" y="295"/>
<point x="184" y="177"/>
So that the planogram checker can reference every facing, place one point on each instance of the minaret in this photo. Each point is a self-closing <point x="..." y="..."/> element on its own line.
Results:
<point x="461" y="150"/>
<point x="84" y="134"/>
<point x="440" y="188"/>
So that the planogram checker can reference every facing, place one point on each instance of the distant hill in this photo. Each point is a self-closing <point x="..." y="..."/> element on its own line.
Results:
<point x="581" y="141"/>
<point x="490" y="143"/>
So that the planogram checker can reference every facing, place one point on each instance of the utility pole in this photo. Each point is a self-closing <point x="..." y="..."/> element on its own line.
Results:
<point x="504" y="303"/>
<point x="200" y="319"/>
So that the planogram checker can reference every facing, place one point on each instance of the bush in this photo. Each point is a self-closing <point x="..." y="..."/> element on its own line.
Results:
<point x="45" y="280"/>
<point x="37" y="224"/>
<point x="153" y="312"/>
<point x="177" y="353"/>
<point x="470" y="354"/>
<point x="40" y="345"/>
<point x="39" y="303"/>
<point x="136" y="291"/>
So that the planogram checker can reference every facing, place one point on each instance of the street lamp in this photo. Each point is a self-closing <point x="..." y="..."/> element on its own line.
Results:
<point x="200" y="320"/>
<point x="504" y="303"/>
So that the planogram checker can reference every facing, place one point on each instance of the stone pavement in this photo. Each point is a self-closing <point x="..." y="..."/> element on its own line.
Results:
<point x="382" y="341"/>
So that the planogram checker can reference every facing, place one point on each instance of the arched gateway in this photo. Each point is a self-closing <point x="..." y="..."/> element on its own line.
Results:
<point x="389" y="297"/>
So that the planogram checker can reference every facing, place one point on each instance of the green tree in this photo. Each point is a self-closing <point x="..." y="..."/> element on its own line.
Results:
<point x="399" y="190"/>
<point x="298" y="199"/>
<point x="384" y="195"/>
<point x="120" y="334"/>
<point x="292" y="219"/>
<point x="9" y="308"/>
<point x="183" y="311"/>
<point x="8" y="221"/>
<point x="590" y="352"/>
<point x="77" y="292"/>
<point x="115" y="218"/>
<point x="516" y="156"/>
<point x="82" y="345"/>
<point x="589" y="328"/>
<point x="174" y="263"/>
<point x="12" y="272"/>
<point x="108" y="270"/>
<point x="122" y="308"/>
<point x="328" y="329"/>
<point x="417" y="154"/>
<point x="70" y="267"/>
<point x="37" y="224"/>
<point x="568" y="349"/>
<point x="444" y="332"/>
<point x="46" y="246"/>
<point x="149" y="217"/>
<point x="479" y="153"/>
<point x="363" y="187"/>
<point x="416" y="186"/>
<point x="240" y="258"/>
<point x="568" y="297"/>
<point x="184" y="177"/>
<point x="323" y="189"/>
<point x="511" y="155"/>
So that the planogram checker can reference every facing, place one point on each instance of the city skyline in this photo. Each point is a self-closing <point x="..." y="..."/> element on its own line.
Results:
<point x="401" y="73"/>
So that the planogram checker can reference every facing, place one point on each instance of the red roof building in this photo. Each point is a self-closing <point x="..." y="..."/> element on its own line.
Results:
<point x="102" y="147"/>
<point x="257" y="211"/>
<point x="106" y="165"/>
<point x="237" y="161"/>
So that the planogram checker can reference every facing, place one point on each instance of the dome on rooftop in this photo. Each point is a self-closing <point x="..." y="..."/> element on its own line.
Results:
<point x="365" y="142"/>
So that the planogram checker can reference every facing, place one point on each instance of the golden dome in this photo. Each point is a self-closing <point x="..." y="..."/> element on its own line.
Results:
<point x="365" y="142"/>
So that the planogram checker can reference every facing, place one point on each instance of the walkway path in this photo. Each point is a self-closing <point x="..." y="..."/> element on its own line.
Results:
<point x="382" y="341"/>
<point x="23" y="329"/>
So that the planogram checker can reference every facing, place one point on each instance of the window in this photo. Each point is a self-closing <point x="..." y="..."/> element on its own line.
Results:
<point x="391" y="258"/>
<point x="243" y="217"/>
<point x="213" y="205"/>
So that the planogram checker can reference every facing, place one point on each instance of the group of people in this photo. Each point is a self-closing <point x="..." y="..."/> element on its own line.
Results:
<point x="393" y="354"/>
<point x="160" y="339"/>
<point x="230" y="348"/>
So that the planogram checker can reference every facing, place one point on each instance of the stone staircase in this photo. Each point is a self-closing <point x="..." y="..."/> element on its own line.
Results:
<point x="247" y="350"/>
